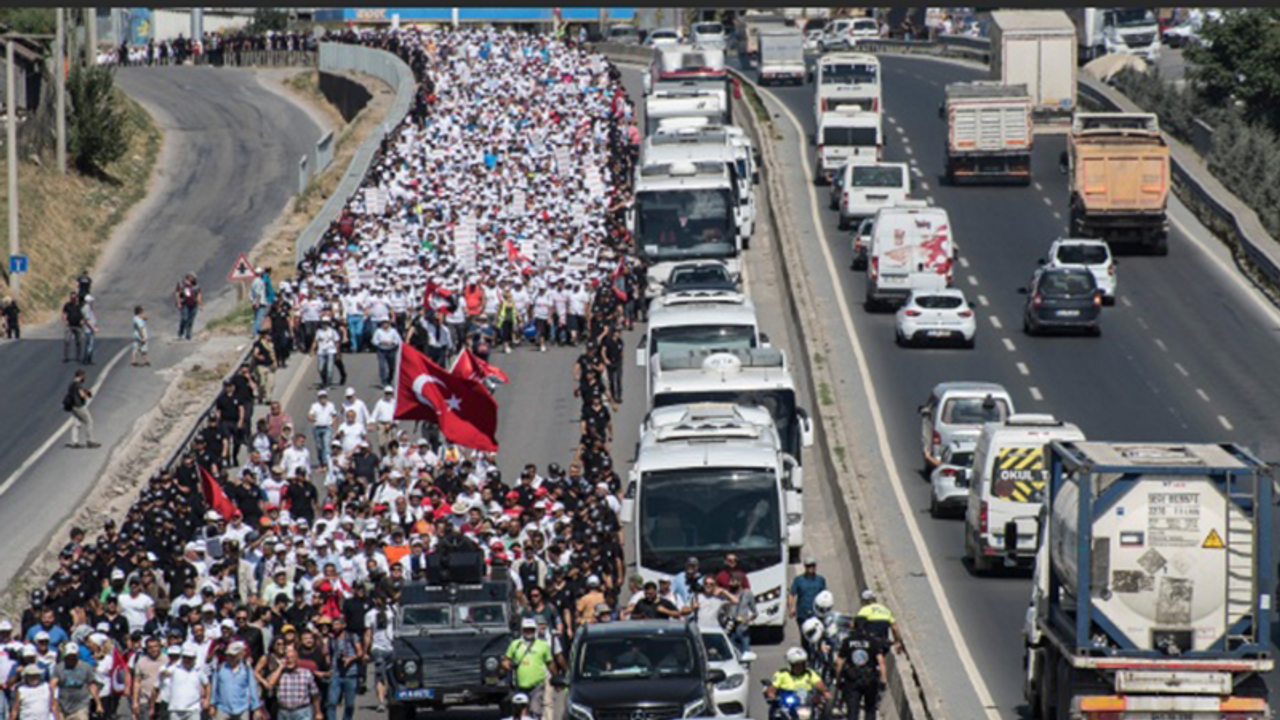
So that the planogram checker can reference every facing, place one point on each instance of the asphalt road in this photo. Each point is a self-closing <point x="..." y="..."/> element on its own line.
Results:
<point x="1186" y="355"/>
<point x="227" y="169"/>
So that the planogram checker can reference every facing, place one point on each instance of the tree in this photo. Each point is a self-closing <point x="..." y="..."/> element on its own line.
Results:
<point x="29" y="20"/>
<point x="1240" y="60"/>
<point x="269" y="18"/>
<point x="99" y="128"/>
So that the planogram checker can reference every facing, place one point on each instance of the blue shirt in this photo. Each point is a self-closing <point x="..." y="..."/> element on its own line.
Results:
<point x="57" y="635"/>
<point x="235" y="691"/>
<point x="805" y="589"/>
<point x="683" y="589"/>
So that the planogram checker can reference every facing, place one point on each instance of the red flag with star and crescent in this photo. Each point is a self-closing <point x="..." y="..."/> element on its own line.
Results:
<point x="467" y="365"/>
<point x="463" y="409"/>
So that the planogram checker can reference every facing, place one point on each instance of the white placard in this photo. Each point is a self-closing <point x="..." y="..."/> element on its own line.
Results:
<point x="562" y="162"/>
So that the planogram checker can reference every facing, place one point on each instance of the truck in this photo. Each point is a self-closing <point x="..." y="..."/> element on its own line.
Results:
<point x="1153" y="583"/>
<point x="1037" y="49"/>
<point x="782" y="56"/>
<point x="451" y="632"/>
<point x="911" y="249"/>
<point x="749" y="25"/>
<point x="1116" y="31"/>
<point x="989" y="134"/>
<point x="1119" y="176"/>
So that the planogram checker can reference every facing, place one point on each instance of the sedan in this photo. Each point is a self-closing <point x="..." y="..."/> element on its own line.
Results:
<point x="862" y="241"/>
<point x="731" y="694"/>
<point x="1063" y="298"/>
<point x="936" y="315"/>
<point x="950" y="480"/>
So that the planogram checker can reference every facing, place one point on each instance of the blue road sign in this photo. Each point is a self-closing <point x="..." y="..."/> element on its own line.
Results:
<point x="18" y="264"/>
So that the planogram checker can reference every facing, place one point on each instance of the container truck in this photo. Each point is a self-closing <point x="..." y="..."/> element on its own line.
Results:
<point x="1036" y="48"/>
<point x="988" y="132"/>
<point x="782" y="56"/>
<point x="1152" y="589"/>
<point x="1118" y="170"/>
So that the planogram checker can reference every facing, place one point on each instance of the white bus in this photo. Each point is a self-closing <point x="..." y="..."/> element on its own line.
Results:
<point x="843" y="79"/>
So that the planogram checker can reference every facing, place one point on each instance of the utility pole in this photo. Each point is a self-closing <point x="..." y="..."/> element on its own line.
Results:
<point x="60" y="85"/>
<point x="11" y="144"/>
<point x="91" y="34"/>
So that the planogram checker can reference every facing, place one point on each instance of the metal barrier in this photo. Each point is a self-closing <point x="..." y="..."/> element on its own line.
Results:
<point x="338" y="57"/>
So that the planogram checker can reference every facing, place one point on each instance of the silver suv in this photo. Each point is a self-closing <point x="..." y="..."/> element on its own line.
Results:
<point x="958" y="410"/>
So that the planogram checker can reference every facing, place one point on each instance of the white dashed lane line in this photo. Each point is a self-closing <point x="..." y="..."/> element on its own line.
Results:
<point x="1008" y="345"/>
<point x="1047" y="201"/>
<point x="916" y="171"/>
<point x="1225" y="423"/>
<point x="1126" y="302"/>
<point x="982" y="300"/>
<point x="973" y="281"/>
<point x="1057" y="215"/>
<point x="1203" y="395"/>
<point x="1182" y="370"/>
<point x="907" y="148"/>
<point x="1022" y="368"/>
<point x="924" y="185"/>
<point x="1038" y="186"/>
<point x="892" y="120"/>
<point x="1160" y="344"/>
<point x="899" y="129"/>
<point x="964" y="262"/>
<point x="1143" y="323"/>
<point x="1035" y="393"/>
<point x="995" y="322"/>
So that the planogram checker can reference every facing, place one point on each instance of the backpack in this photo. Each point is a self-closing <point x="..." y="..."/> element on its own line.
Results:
<point x="69" y="400"/>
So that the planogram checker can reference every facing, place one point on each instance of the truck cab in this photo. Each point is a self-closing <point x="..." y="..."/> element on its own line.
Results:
<point x="1008" y="486"/>
<point x="846" y="135"/>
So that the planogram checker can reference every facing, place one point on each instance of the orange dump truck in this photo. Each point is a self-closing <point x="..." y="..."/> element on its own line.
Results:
<point x="1118" y="165"/>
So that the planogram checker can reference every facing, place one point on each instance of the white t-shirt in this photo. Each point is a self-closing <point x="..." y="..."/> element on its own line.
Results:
<point x="294" y="458"/>
<point x="351" y="434"/>
<point x="327" y="341"/>
<point x="324" y="414"/>
<point x="384" y="411"/>
<point x="382" y="639"/>
<point x="134" y="609"/>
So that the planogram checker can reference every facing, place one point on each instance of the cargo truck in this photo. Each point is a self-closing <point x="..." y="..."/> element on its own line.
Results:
<point x="988" y="132"/>
<point x="1152" y="590"/>
<point x="1036" y="48"/>
<point x="782" y="56"/>
<point x="747" y="29"/>
<point x="1118" y="168"/>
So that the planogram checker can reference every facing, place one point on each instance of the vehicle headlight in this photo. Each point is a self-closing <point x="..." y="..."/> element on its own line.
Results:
<point x="695" y="708"/>
<point x="769" y="595"/>
<point x="410" y="667"/>
<point x="491" y="664"/>
<point x="804" y="713"/>
<point x="579" y="712"/>
<point x="732" y="682"/>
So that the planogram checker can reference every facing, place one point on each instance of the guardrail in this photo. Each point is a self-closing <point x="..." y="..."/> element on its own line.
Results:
<point x="338" y="57"/>
<point x="256" y="58"/>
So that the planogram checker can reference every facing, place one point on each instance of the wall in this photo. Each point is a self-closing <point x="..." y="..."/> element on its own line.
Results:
<point x="168" y="24"/>
<point x="349" y="96"/>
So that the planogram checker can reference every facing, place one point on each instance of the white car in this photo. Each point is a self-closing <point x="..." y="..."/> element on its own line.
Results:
<point x="950" y="480"/>
<point x="942" y="315"/>
<point x="1092" y="255"/>
<point x="813" y="41"/>
<point x="732" y="693"/>
<point x="662" y="36"/>
<point x="710" y="35"/>
<point x="862" y="241"/>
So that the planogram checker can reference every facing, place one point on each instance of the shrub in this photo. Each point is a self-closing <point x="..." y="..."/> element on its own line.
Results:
<point x="99" y="126"/>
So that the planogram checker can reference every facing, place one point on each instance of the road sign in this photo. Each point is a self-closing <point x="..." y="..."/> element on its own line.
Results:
<point x="241" y="270"/>
<point x="18" y="264"/>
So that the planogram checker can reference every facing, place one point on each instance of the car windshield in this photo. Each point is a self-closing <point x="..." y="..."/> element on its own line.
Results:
<point x="717" y="645"/>
<point x="1067" y="284"/>
<point x="875" y="176"/>
<point x="623" y="32"/>
<point x="694" y="337"/>
<point x="706" y="512"/>
<point x="974" y="411"/>
<point x="960" y="458"/>
<point x="663" y="35"/>
<point x="482" y="614"/>
<point x="426" y="616"/>
<point x="1080" y="254"/>
<point x="939" y="302"/>
<point x="1132" y="17"/>
<point x="865" y="26"/>
<point x="637" y="657"/>
<point x="709" y="29"/>
<point x="677" y="224"/>
<point x="848" y="74"/>
<point x="699" y="275"/>
<point x="780" y="403"/>
<point x="439" y="615"/>
<point x="846" y="136"/>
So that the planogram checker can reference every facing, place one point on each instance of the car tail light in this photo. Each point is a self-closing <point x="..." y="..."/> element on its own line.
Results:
<point x="982" y="517"/>
<point x="912" y="313"/>
<point x="948" y="472"/>
<point x="1037" y="300"/>
<point x="965" y="313"/>
<point x="1097" y="299"/>
<point x="875" y="104"/>
<point x="847" y="199"/>
<point x="822" y="106"/>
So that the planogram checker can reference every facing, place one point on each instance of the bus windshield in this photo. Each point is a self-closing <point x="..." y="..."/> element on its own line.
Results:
<point x="781" y="404"/>
<point x="707" y="512"/>
<point x="849" y="74"/>
<point x="677" y="224"/>
<point x="695" y="337"/>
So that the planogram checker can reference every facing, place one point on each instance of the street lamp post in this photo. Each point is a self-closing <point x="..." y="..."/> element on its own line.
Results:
<point x="60" y="85"/>
<point x="11" y="144"/>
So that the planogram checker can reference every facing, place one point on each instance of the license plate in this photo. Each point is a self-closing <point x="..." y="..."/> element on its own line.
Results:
<point x="416" y="693"/>
<point x="1170" y="716"/>
<point x="1068" y="313"/>
<point x="939" y="333"/>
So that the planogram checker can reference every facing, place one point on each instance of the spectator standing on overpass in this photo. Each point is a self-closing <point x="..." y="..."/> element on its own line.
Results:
<point x="76" y="402"/>
<point x="12" y="318"/>
<point x="189" y="300"/>
<point x="89" y="322"/>
<point x="138" y="355"/>
<point x="73" y="325"/>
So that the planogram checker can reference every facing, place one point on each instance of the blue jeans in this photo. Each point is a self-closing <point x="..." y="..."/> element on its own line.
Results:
<point x="386" y="364"/>
<point x="88" y="345"/>
<point x="323" y="435"/>
<point x="355" y="329"/>
<point x="741" y="637"/>
<point x="324" y="363"/>
<point x="302" y="713"/>
<point x="259" y="314"/>
<point x="186" y="320"/>
<point x="341" y="689"/>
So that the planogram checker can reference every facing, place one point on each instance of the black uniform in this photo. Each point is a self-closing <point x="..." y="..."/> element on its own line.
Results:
<point x="861" y="652"/>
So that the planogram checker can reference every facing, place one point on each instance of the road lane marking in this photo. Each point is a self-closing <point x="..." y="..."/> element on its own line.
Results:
<point x="892" y="120"/>
<point x="964" y="262"/>
<point x="64" y="428"/>
<point x="982" y="300"/>
<point x="976" y="679"/>
<point x="924" y="185"/>
<point x="1047" y="201"/>
<point x="929" y="199"/>
<point x="995" y="322"/>
<point x="1182" y="370"/>
<point x="1160" y="344"/>
<point x="1203" y="396"/>
<point x="973" y="281"/>
<point x="1057" y="215"/>
<point x="1022" y="368"/>
<point x="1126" y="301"/>
<point x="1038" y="186"/>
<point x="1008" y="345"/>
<point x="907" y="147"/>
<point x="1225" y="423"/>
<point x="1035" y="393"/>
<point x="1143" y="323"/>
<point x="899" y="129"/>
<point x="916" y="171"/>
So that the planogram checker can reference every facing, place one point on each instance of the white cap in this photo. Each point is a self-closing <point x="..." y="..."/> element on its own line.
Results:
<point x="208" y="607"/>
<point x="235" y="648"/>
<point x="117" y="574"/>
<point x="388" y="389"/>
<point x="176" y="650"/>
<point x="528" y="624"/>
<point x="868" y="594"/>
<point x="593" y="581"/>
<point x="5" y="625"/>
<point x="42" y="635"/>
<point x="351" y="392"/>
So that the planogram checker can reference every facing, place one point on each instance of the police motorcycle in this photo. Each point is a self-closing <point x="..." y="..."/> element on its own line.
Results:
<point x="796" y="703"/>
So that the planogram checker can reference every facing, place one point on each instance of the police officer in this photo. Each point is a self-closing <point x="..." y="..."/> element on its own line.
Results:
<point x="860" y="670"/>
<point x="879" y="620"/>
<point x="796" y="676"/>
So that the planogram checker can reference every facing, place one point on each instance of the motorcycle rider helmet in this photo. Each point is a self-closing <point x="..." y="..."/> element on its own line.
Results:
<point x="868" y="595"/>
<point x="823" y="603"/>
<point x="812" y="630"/>
<point x="796" y="656"/>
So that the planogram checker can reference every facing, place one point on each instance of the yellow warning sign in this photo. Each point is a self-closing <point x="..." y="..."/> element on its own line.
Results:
<point x="1214" y="540"/>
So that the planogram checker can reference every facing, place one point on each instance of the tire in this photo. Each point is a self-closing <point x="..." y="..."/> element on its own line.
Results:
<point x="1160" y="248"/>
<point x="1095" y="331"/>
<point x="1109" y="300"/>
<point x="1026" y="327"/>
<point x="899" y="339"/>
<point x="860" y="263"/>
<point x="843" y="223"/>
<point x="793" y="556"/>
<point x="981" y="565"/>
<point x="935" y="512"/>
<point x="397" y="711"/>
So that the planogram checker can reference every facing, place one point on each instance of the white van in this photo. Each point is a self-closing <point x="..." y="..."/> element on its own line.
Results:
<point x="911" y="249"/>
<point x="846" y="134"/>
<point x="1007" y="485"/>
<point x="864" y="188"/>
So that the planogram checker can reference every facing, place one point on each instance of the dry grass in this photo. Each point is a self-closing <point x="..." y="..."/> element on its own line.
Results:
<point x="65" y="220"/>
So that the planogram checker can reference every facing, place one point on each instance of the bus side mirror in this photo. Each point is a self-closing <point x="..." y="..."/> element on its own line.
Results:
<point x="628" y="503"/>
<point x="642" y="354"/>
<point x="764" y="340"/>
<point x="806" y="428"/>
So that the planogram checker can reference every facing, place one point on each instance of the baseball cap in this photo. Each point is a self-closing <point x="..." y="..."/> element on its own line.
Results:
<point x="593" y="581"/>
<point x="235" y="648"/>
<point x="175" y="651"/>
<point x="70" y="649"/>
<point x="810" y="560"/>
<point x="190" y="651"/>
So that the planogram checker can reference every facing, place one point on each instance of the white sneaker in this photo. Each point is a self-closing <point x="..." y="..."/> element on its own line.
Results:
<point x="542" y="349"/>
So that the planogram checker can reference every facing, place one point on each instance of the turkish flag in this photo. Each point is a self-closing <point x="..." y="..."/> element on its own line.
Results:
<point x="467" y="365"/>
<point x="463" y="409"/>
<point x="213" y="495"/>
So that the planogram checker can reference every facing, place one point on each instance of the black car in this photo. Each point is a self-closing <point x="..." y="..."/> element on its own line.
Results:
<point x="1062" y="299"/>
<point x="639" y="670"/>
<point x="451" y="633"/>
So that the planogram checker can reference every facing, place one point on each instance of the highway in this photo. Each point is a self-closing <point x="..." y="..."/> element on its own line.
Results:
<point x="1187" y="354"/>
